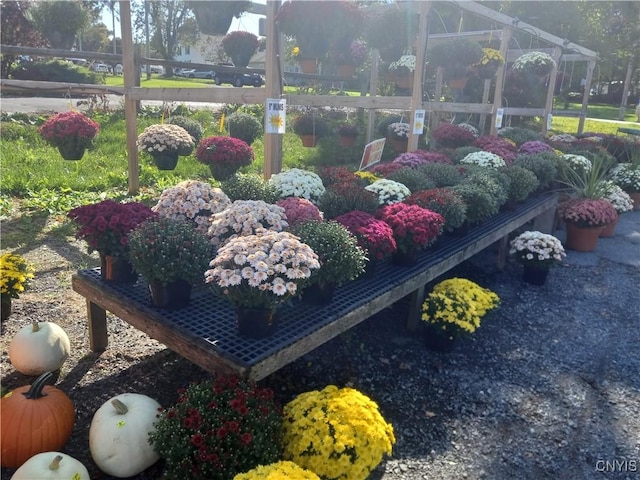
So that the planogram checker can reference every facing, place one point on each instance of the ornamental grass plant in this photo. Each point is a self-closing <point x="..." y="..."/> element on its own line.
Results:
<point x="218" y="429"/>
<point x="338" y="433"/>
<point x="192" y="200"/>
<point x="164" y="250"/>
<point x="15" y="274"/>
<point x="457" y="306"/>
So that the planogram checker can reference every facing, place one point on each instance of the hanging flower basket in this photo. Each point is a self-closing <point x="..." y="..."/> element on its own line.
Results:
<point x="214" y="18"/>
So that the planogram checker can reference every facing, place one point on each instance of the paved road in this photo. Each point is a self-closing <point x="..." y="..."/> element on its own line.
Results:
<point x="51" y="104"/>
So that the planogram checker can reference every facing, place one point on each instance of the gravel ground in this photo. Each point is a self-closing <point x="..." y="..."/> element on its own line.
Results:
<point x="547" y="388"/>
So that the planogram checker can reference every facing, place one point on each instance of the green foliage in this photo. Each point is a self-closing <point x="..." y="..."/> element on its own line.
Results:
<point x="544" y="165"/>
<point x="442" y="174"/>
<point x="519" y="135"/>
<point x="523" y="182"/>
<point x="386" y="120"/>
<point x="491" y="182"/>
<point x="412" y="179"/>
<point x="461" y="152"/>
<point x="244" y="126"/>
<point x="195" y="128"/>
<point x="20" y="132"/>
<point x="249" y="186"/>
<point x="56" y="71"/>
<point x="59" y="21"/>
<point x="480" y="204"/>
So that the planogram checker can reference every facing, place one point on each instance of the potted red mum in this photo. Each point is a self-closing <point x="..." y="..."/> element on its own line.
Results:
<point x="71" y="132"/>
<point x="105" y="226"/>
<point x="224" y="155"/>
<point x="414" y="229"/>
<point x="585" y="218"/>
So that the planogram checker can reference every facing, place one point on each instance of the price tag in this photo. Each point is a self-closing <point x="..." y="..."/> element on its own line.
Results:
<point x="418" y="122"/>
<point x="499" y="115"/>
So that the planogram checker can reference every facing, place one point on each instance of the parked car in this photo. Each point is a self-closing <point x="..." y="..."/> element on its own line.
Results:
<point x="101" y="68"/>
<point x="238" y="79"/>
<point x="200" y="74"/>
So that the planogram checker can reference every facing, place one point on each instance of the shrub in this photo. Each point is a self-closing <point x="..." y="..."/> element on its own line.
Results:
<point x="480" y="204"/>
<point x="523" y="182"/>
<point x="244" y="126"/>
<point x="452" y="136"/>
<point x="195" y="128"/>
<point x="519" y="135"/>
<point x="491" y="182"/>
<point x="460" y="153"/>
<point x="412" y="179"/>
<point x="250" y="186"/>
<point x="444" y="201"/>
<point x="344" y="198"/>
<point x="441" y="174"/>
<point x="543" y="165"/>
<point x="56" y="71"/>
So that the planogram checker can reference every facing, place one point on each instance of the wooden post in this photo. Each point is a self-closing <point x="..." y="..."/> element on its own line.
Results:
<point x="418" y="74"/>
<point x="548" y="106"/>
<point x="485" y="99"/>
<point x="130" y="111"/>
<point x="497" y="96"/>
<point x="585" y="95"/>
<point x="273" y="89"/>
<point x="373" y="90"/>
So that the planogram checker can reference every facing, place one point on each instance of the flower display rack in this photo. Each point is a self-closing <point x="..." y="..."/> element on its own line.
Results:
<point x="205" y="331"/>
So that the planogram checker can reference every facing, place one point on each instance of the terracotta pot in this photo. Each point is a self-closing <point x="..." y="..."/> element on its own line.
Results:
<point x="346" y="71"/>
<point x="173" y="295"/>
<point x="309" y="140"/>
<point x="405" y="82"/>
<point x="535" y="275"/>
<point x="398" y="145"/>
<point x="346" y="141"/>
<point x="635" y="196"/>
<point x="582" y="239"/>
<point x="256" y="322"/>
<point x="609" y="229"/>
<point x="71" y="151"/>
<point x="457" y="83"/>
<point x="308" y="65"/>
<point x="116" y="270"/>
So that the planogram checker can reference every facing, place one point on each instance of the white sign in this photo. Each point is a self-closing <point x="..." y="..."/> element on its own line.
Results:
<point x="549" y="120"/>
<point x="372" y="153"/>
<point x="499" y="115"/>
<point x="418" y="122"/>
<point x="275" y="118"/>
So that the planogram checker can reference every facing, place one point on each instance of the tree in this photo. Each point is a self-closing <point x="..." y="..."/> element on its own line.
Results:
<point x="15" y="29"/>
<point x="166" y="19"/>
<point x="59" y="21"/>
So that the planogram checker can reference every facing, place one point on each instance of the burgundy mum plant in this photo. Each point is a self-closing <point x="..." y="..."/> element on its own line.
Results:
<point x="224" y="151"/>
<point x="299" y="210"/>
<point x="444" y="201"/>
<point x="498" y="146"/>
<point x="385" y="169"/>
<point x="410" y="159"/>
<point x="69" y="127"/>
<point x="452" y="136"/>
<point x="373" y="235"/>
<point x="106" y="225"/>
<point x="587" y="212"/>
<point x="413" y="227"/>
<point x="434" y="157"/>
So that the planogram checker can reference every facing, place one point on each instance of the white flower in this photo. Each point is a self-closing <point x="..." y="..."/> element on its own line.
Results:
<point x="388" y="191"/>
<point x="470" y="128"/>
<point x="296" y="182"/>
<point x="534" y="61"/>
<point x="577" y="163"/>
<point x="192" y="200"/>
<point x="405" y="61"/>
<point x="246" y="217"/>
<point x="626" y="176"/>
<point x="399" y="130"/>
<point x="164" y="136"/>
<point x="484" y="159"/>
<point x="620" y="199"/>
<point x="533" y="246"/>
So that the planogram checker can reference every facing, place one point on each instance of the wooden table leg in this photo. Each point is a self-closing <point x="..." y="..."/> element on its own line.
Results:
<point x="97" y="319"/>
<point x="415" y="309"/>
<point x="545" y="221"/>
<point x="503" y="250"/>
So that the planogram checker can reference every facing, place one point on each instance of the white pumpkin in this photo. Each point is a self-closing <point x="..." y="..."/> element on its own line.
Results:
<point x="119" y="432"/>
<point x="38" y="348"/>
<point x="51" y="466"/>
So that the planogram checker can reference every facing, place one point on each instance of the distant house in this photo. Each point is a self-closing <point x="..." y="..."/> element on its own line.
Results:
<point x="207" y="49"/>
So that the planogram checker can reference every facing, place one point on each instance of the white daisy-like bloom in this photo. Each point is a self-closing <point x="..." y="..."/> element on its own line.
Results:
<point x="388" y="191"/>
<point x="296" y="182"/>
<point x="160" y="137"/>
<point x="537" y="247"/>
<point x="483" y="159"/>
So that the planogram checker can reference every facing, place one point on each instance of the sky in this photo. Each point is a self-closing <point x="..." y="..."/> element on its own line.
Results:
<point x="247" y="22"/>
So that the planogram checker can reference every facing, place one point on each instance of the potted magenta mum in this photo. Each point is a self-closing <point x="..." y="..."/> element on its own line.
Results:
<point x="584" y="219"/>
<point x="224" y="155"/>
<point x="414" y="229"/>
<point x="71" y="132"/>
<point x="106" y="226"/>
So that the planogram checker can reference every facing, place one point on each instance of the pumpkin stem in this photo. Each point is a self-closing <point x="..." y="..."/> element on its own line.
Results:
<point x="120" y="407"/>
<point x="55" y="463"/>
<point x="35" y="390"/>
<point x="35" y="327"/>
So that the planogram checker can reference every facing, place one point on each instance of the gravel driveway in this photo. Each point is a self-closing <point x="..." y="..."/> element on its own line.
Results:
<point x="547" y="388"/>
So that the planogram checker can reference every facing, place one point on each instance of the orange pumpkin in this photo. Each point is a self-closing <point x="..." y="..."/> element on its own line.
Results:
<point x="34" y="419"/>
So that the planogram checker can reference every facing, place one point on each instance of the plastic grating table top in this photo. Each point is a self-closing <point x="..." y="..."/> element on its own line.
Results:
<point x="210" y="319"/>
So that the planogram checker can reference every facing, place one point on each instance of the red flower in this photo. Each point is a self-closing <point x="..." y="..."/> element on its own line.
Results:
<point x="224" y="151"/>
<point x="197" y="440"/>
<point x="246" y="438"/>
<point x="68" y="127"/>
<point x="221" y="432"/>
<point x="413" y="227"/>
<point x="373" y="235"/>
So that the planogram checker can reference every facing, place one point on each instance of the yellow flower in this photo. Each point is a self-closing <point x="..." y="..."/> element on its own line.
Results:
<point x="295" y="51"/>
<point x="15" y="274"/>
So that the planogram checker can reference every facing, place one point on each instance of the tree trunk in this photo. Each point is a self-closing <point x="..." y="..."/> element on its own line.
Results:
<point x="625" y="90"/>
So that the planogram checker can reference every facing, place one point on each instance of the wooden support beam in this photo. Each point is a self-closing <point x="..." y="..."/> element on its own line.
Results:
<point x="273" y="89"/>
<point x="418" y="74"/>
<point x="130" y="104"/>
